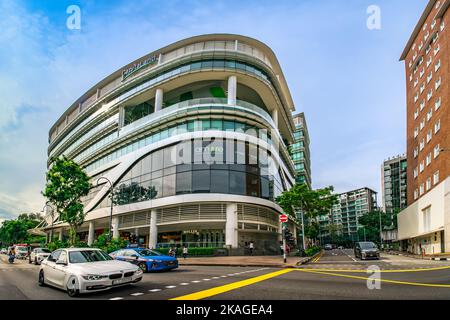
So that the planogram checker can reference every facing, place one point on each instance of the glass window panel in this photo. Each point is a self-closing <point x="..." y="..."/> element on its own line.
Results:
<point x="164" y="134"/>
<point x="157" y="160"/>
<point x="169" y="156"/>
<point x="219" y="181"/>
<point x="169" y="185"/>
<point x="252" y="185"/>
<point x="219" y="64"/>
<point x="206" y="124"/>
<point x="157" y="187"/>
<point x="184" y="182"/>
<point x="196" y="65"/>
<point x="147" y="164"/>
<point x="207" y="64"/>
<point x="237" y="182"/>
<point x="230" y="64"/>
<point x="216" y="124"/>
<point x="228" y="125"/>
<point x="200" y="181"/>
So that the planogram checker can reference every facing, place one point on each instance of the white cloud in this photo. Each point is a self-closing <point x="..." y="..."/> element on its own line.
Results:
<point x="44" y="69"/>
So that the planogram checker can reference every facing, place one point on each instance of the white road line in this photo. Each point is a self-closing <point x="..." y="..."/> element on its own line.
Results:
<point x="195" y="281"/>
<point x="184" y="284"/>
<point x="230" y="274"/>
<point x="154" y="290"/>
<point x="223" y="276"/>
<point x="215" y="278"/>
<point x="116" y="298"/>
<point x="206" y="279"/>
<point x="136" y="294"/>
<point x="170" y="287"/>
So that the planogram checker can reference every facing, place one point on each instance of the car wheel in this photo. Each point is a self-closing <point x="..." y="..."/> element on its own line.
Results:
<point x="72" y="287"/>
<point x="41" y="280"/>
<point x="143" y="266"/>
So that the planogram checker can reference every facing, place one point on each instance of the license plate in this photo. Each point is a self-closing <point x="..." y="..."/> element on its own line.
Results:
<point x="120" y="281"/>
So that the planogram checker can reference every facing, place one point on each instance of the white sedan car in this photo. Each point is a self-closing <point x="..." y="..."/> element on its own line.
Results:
<point x="38" y="255"/>
<point x="82" y="270"/>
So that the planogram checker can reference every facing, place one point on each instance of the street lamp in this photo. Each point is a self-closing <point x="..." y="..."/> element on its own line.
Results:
<point x="111" y="189"/>
<point x="52" y="214"/>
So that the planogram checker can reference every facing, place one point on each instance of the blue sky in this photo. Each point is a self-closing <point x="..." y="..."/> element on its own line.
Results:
<point x="346" y="78"/>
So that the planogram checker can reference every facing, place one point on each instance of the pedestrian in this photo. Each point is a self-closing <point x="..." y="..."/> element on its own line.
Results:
<point x="185" y="251"/>
<point x="251" y="247"/>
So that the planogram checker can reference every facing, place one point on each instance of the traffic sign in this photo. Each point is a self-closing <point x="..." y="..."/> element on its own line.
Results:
<point x="283" y="218"/>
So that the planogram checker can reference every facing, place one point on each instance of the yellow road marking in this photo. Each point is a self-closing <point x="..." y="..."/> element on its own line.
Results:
<point x="383" y="280"/>
<point x="365" y="270"/>
<point x="317" y="258"/>
<point x="232" y="286"/>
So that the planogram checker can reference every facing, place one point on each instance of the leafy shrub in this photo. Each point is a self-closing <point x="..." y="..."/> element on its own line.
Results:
<point x="312" y="251"/>
<point x="115" y="244"/>
<point x="57" y="244"/>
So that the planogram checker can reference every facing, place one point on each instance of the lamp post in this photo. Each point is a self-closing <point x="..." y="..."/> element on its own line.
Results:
<point x="381" y="234"/>
<point x="52" y="214"/>
<point x="111" y="189"/>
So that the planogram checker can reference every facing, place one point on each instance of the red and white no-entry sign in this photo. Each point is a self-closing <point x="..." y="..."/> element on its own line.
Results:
<point x="283" y="218"/>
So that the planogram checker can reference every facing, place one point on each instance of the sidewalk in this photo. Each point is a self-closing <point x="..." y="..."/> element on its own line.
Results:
<point x="244" y="261"/>
<point x="436" y="257"/>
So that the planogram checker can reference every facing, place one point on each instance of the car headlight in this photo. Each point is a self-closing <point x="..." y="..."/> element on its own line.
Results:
<point x="138" y="272"/>
<point x="94" y="277"/>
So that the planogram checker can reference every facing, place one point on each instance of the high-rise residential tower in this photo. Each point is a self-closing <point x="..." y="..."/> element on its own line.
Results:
<point x="300" y="150"/>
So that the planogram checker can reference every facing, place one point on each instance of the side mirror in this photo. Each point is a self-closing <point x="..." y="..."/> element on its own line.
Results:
<point x="60" y="262"/>
<point x="135" y="256"/>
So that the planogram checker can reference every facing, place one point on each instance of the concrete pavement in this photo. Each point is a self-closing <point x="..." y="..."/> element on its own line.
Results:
<point x="244" y="261"/>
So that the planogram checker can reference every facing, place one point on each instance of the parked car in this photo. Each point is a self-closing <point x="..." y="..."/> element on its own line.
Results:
<point x="82" y="270"/>
<point x="328" y="247"/>
<point x="364" y="250"/>
<point x="21" y="252"/>
<point x="38" y="255"/>
<point x="147" y="260"/>
<point x="4" y="251"/>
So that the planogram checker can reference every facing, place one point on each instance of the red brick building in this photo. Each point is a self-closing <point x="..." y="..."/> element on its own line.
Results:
<point x="426" y="222"/>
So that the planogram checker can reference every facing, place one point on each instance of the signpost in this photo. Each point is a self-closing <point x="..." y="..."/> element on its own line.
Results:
<point x="283" y="220"/>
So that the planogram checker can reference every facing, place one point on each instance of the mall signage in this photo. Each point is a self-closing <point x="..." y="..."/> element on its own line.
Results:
<point x="139" y="66"/>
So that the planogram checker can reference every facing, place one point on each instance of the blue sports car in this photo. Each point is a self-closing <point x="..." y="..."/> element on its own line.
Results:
<point x="147" y="260"/>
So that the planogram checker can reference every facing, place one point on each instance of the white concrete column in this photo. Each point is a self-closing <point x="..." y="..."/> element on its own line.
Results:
<point x="115" y="227"/>
<point x="158" y="99"/>
<point x="275" y="116"/>
<point x="153" y="235"/>
<point x="231" y="226"/>
<point x="91" y="233"/>
<point x="232" y="85"/>
<point x="61" y="233"/>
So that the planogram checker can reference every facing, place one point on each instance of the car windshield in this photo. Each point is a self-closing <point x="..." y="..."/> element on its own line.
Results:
<point x="22" y="249"/>
<point x="43" y="250"/>
<point x="84" y="256"/>
<point x="149" y="253"/>
<point x="368" y="245"/>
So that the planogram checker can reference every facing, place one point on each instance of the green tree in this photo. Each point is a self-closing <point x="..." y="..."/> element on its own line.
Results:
<point x="66" y="184"/>
<point x="312" y="202"/>
<point x="15" y="231"/>
<point x="371" y="225"/>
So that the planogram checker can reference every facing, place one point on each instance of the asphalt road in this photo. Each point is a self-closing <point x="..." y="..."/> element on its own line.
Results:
<point x="335" y="275"/>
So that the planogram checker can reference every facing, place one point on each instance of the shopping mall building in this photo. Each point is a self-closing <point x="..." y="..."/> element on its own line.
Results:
<point x="193" y="137"/>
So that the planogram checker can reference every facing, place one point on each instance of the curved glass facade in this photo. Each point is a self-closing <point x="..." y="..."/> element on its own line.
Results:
<point x="183" y="127"/>
<point x="200" y="166"/>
